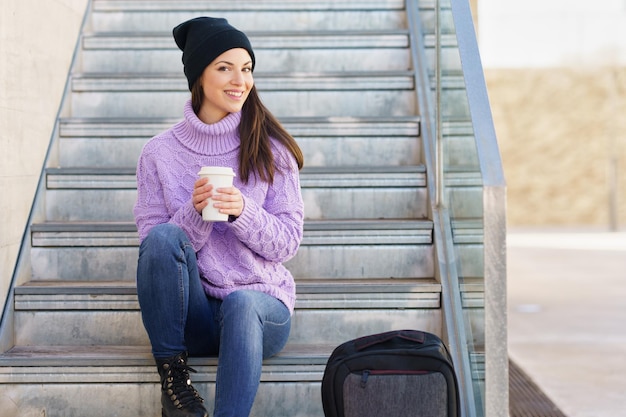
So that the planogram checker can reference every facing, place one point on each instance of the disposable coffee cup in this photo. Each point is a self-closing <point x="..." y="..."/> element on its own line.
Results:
<point x="219" y="177"/>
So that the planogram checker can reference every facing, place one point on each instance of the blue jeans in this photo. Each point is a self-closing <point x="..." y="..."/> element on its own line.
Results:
<point x="242" y="329"/>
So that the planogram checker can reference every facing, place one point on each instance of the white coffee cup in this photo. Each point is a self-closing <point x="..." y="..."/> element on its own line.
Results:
<point x="219" y="177"/>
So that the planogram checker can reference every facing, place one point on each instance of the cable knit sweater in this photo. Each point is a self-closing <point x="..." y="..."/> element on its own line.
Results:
<point x="247" y="253"/>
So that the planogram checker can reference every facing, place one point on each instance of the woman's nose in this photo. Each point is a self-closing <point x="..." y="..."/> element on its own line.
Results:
<point x="237" y="78"/>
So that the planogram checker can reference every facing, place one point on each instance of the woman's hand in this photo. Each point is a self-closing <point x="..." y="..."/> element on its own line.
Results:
<point x="201" y="192"/>
<point x="227" y="200"/>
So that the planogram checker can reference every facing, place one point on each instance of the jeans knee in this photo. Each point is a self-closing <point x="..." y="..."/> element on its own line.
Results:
<point x="240" y="303"/>
<point x="162" y="239"/>
<point x="164" y="233"/>
<point x="162" y="249"/>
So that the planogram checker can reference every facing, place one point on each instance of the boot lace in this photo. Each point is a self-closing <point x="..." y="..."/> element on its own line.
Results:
<point x="177" y="385"/>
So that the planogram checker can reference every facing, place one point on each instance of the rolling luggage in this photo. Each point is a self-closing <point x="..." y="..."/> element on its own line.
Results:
<point x="398" y="373"/>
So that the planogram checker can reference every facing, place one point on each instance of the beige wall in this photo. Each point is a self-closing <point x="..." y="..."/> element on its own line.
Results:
<point x="37" y="40"/>
<point x="560" y="130"/>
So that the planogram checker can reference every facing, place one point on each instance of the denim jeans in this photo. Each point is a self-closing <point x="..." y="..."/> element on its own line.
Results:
<point x="242" y="329"/>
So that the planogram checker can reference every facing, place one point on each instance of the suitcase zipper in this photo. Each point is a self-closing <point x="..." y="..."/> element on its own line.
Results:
<point x="364" y="376"/>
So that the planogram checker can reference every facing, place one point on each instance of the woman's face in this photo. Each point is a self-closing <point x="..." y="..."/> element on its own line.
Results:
<point x="226" y="83"/>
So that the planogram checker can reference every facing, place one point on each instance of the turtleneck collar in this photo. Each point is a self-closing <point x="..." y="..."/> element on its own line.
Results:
<point x="208" y="139"/>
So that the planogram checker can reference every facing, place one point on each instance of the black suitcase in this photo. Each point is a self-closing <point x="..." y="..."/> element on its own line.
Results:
<point x="392" y="374"/>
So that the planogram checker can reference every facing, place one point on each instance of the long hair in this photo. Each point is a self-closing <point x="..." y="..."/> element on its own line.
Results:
<point x="257" y="125"/>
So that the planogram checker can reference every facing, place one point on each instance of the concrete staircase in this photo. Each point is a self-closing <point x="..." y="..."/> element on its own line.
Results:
<point x="340" y="76"/>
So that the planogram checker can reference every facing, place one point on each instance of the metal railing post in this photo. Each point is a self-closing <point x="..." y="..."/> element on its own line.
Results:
<point x="440" y="195"/>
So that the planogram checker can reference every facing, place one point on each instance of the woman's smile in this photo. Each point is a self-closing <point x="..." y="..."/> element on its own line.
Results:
<point x="235" y="94"/>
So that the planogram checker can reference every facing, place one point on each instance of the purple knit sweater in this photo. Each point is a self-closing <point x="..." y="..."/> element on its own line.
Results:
<point x="247" y="253"/>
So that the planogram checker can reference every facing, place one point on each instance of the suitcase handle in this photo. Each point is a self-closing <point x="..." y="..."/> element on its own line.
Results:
<point x="368" y="341"/>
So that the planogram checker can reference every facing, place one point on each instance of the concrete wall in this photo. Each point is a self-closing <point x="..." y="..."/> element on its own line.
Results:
<point x="37" y="40"/>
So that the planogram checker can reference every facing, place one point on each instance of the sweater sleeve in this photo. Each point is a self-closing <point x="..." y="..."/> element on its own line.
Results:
<point x="274" y="229"/>
<point x="152" y="209"/>
<point x="149" y="208"/>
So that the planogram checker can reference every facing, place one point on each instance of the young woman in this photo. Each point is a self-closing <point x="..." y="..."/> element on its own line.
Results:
<point x="217" y="288"/>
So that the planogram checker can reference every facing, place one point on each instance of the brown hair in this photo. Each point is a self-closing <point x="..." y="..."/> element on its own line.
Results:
<point x="257" y="125"/>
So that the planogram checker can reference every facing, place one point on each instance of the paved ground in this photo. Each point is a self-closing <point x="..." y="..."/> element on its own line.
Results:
<point x="567" y="317"/>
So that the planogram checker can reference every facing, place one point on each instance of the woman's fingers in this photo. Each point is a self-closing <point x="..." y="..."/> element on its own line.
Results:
<point x="201" y="193"/>
<point x="229" y="201"/>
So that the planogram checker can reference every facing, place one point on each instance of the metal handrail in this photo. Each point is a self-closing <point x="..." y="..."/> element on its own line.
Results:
<point x="494" y="206"/>
<point x="441" y="195"/>
<point x="444" y="250"/>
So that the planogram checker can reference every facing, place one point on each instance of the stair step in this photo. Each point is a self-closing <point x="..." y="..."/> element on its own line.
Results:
<point x="464" y="193"/>
<point x="298" y="127"/>
<point x="91" y="263"/>
<point x="338" y="232"/>
<point x="310" y="177"/>
<point x="312" y="294"/>
<point x="95" y="377"/>
<point x="265" y="82"/>
<point x="220" y="5"/>
<point x="454" y="97"/>
<point x="467" y="236"/>
<point x="449" y="54"/>
<point x="469" y="231"/>
<point x="83" y="194"/>
<point x="330" y="249"/>
<point x="460" y="142"/>
<point x="318" y="52"/>
<point x="111" y="355"/>
<point x="287" y="59"/>
<point x="324" y="141"/>
<point x="327" y="103"/>
<point x="315" y="18"/>
<point x="124" y="327"/>
<point x="358" y="94"/>
<point x="74" y="234"/>
<point x="67" y="313"/>
<point x="261" y="40"/>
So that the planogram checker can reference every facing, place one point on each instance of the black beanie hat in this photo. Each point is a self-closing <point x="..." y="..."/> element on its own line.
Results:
<point x="203" y="39"/>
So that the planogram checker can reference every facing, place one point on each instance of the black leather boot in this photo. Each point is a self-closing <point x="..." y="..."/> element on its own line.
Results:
<point x="178" y="397"/>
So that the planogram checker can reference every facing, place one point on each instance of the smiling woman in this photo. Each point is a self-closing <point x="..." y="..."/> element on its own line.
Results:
<point x="217" y="287"/>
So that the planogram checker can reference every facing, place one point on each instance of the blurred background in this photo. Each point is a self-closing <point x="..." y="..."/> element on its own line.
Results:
<point x="556" y="75"/>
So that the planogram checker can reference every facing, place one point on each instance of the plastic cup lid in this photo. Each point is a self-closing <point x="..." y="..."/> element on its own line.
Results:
<point x="216" y="171"/>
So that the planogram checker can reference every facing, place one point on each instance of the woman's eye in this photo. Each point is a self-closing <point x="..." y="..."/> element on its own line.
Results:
<point x="247" y="69"/>
<point x="224" y="68"/>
